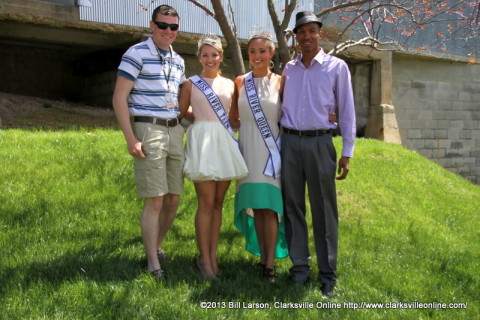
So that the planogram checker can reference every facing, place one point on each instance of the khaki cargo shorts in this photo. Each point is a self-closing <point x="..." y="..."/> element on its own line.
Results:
<point x="161" y="172"/>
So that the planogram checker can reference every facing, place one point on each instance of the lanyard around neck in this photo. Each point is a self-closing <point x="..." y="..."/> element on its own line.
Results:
<point x="163" y="61"/>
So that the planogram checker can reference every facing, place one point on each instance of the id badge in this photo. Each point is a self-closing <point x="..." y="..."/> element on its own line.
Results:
<point x="170" y="100"/>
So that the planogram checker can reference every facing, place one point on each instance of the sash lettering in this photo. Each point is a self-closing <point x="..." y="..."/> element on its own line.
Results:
<point x="214" y="101"/>
<point x="273" y="165"/>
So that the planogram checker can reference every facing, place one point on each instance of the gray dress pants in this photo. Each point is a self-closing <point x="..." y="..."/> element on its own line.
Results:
<point x="311" y="161"/>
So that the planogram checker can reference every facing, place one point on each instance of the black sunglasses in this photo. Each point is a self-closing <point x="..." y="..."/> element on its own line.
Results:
<point x="164" y="26"/>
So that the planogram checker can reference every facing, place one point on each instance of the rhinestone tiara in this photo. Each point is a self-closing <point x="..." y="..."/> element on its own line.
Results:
<point x="259" y="33"/>
<point x="211" y="40"/>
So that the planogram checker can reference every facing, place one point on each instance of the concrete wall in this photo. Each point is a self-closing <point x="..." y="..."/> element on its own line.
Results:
<point x="437" y="104"/>
<point x="62" y="2"/>
<point x="44" y="9"/>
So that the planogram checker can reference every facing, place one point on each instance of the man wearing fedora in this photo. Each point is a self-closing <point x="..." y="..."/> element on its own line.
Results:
<point x="315" y="85"/>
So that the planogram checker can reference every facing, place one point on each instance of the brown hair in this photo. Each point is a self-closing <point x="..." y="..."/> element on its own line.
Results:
<point x="165" y="10"/>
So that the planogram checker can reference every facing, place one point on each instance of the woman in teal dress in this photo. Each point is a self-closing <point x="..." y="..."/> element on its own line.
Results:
<point x="258" y="200"/>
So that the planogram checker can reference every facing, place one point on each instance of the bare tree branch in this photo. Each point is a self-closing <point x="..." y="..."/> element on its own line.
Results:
<point x="279" y="28"/>
<point x="341" y="6"/>
<point x="230" y="37"/>
<point x="232" y="17"/>
<point x="202" y="6"/>
<point x="288" y="13"/>
<point x="367" y="41"/>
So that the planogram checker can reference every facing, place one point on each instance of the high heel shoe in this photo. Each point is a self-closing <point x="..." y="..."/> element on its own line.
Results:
<point x="158" y="274"/>
<point x="269" y="275"/>
<point x="260" y="266"/>
<point x="162" y="256"/>
<point x="202" y="270"/>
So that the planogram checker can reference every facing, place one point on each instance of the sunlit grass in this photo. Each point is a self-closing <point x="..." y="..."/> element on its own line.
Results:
<point x="71" y="246"/>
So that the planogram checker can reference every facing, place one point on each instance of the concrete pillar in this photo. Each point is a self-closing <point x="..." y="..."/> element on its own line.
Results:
<point x="382" y="122"/>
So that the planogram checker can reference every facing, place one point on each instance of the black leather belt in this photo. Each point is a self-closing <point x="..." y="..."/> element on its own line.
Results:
<point x="163" y="122"/>
<point x="307" y="133"/>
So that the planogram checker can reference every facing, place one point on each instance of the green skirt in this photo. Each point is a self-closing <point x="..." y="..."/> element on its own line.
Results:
<point x="259" y="196"/>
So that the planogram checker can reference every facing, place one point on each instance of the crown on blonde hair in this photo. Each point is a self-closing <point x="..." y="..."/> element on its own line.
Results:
<point x="211" y="40"/>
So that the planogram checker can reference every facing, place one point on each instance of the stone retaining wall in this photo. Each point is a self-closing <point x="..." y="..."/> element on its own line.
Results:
<point x="437" y="104"/>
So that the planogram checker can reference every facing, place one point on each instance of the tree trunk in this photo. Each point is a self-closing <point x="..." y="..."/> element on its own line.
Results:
<point x="279" y="27"/>
<point x="230" y="37"/>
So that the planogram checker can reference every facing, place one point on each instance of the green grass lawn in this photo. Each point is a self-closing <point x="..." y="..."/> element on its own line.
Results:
<point x="71" y="247"/>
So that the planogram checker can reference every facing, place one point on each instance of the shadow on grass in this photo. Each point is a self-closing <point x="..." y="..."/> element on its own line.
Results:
<point x="99" y="264"/>
<point x="239" y="280"/>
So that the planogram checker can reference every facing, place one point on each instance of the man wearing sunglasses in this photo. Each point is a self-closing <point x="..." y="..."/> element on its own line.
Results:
<point x="145" y="101"/>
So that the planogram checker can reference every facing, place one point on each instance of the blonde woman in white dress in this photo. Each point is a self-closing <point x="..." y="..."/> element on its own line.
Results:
<point x="212" y="155"/>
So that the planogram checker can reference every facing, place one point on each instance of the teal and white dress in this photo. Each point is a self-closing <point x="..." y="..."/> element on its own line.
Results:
<point x="257" y="190"/>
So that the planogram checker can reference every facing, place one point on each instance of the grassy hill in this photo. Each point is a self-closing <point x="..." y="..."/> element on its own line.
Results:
<point x="71" y="247"/>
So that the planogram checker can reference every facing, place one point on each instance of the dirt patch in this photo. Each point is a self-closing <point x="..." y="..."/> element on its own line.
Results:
<point x="18" y="111"/>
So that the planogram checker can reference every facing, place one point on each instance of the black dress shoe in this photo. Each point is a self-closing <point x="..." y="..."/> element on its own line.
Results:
<point x="300" y="274"/>
<point x="300" y="281"/>
<point x="327" y="290"/>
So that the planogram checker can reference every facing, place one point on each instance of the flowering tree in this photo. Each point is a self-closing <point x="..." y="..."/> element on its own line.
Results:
<point x="405" y="25"/>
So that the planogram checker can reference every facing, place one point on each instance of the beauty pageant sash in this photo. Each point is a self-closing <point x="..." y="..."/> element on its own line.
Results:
<point x="214" y="101"/>
<point x="273" y="165"/>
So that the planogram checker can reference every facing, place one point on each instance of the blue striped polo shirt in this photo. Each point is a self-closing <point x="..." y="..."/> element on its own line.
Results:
<point x="149" y="68"/>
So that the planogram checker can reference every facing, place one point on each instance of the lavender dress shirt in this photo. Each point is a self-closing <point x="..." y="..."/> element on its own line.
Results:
<point x="310" y="95"/>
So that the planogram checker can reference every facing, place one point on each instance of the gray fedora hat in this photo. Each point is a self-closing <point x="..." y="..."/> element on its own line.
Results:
<point x="303" y="17"/>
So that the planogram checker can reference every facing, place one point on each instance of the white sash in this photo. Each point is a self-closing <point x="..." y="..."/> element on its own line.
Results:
<point x="214" y="101"/>
<point x="273" y="165"/>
